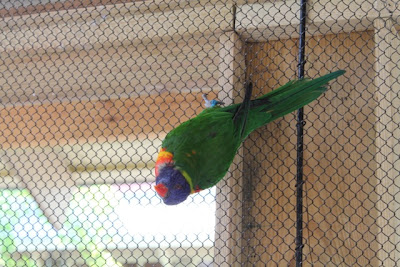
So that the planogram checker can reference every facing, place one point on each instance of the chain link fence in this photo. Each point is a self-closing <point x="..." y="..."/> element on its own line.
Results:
<point x="89" y="89"/>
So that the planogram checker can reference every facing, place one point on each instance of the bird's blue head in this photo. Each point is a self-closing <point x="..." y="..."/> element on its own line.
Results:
<point x="172" y="186"/>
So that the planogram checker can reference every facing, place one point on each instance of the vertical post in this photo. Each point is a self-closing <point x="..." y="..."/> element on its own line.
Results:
<point x="228" y="229"/>
<point x="299" y="160"/>
<point x="387" y="83"/>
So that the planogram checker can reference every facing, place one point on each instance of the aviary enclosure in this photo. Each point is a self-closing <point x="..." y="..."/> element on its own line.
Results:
<point x="88" y="90"/>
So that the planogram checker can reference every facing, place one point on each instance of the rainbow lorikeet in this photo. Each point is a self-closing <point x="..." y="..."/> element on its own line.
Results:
<point x="197" y="154"/>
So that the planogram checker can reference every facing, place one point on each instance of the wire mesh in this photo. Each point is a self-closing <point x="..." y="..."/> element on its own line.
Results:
<point x="90" y="88"/>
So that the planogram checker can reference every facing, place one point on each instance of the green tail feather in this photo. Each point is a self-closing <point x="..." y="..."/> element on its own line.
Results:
<point x="285" y="99"/>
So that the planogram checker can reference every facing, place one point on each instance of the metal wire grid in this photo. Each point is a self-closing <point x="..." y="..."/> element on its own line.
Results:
<point x="90" y="88"/>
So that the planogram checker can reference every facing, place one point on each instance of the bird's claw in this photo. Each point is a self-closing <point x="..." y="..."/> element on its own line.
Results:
<point x="211" y="103"/>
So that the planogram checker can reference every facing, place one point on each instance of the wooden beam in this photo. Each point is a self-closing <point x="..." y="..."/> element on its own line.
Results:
<point x="128" y="119"/>
<point x="107" y="71"/>
<point x="113" y="24"/>
<point x="387" y="82"/>
<point x="275" y="20"/>
<point x="228" y="229"/>
<point x="60" y="25"/>
<point x="25" y="7"/>
<point x="12" y="9"/>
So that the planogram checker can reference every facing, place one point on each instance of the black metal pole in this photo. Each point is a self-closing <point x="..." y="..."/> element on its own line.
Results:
<point x="299" y="126"/>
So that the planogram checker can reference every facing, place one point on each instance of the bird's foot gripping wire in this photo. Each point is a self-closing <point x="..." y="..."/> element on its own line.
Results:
<point x="211" y="103"/>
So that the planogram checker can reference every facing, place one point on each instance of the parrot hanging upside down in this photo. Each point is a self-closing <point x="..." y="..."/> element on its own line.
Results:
<point x="197" y="154"/>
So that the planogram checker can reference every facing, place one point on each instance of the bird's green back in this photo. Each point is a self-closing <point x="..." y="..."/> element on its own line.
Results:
<point x="204" y="147"/>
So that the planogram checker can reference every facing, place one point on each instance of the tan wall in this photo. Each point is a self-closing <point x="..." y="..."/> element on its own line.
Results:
<point x="339" y="157"/>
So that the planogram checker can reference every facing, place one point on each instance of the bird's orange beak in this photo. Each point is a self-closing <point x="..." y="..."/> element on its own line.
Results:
<point x="161" y="189"/>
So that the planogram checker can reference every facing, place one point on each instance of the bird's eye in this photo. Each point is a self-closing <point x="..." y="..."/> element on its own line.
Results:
<point x="178" y="187"/>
